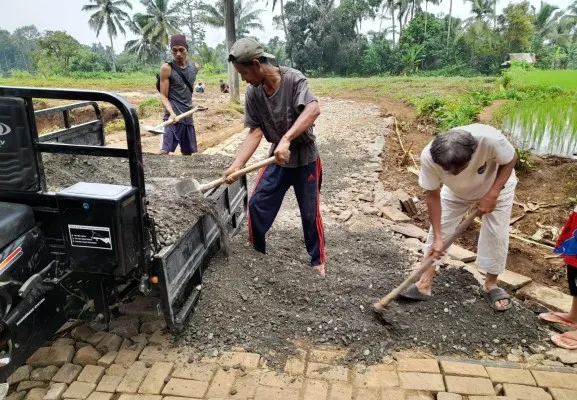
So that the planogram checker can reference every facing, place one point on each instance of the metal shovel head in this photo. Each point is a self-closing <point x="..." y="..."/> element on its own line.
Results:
<point x="154" y="130"/>
<point x="186" y="186"/>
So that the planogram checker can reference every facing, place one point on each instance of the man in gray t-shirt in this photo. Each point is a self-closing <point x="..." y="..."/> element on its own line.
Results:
<point x="280" y="106"/>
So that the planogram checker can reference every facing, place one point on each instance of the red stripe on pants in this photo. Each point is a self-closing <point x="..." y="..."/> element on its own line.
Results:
<point x="258" y="178"/>
<point x="320" y="226"/>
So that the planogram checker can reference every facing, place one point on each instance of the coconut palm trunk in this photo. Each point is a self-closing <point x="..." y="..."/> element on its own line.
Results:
<point x="426" y="7"/>
<point x="393" y="21"/>
<point x="450" y="22"/>
<point x="286" y="35"/>
<point x="229" y="26"/>
<point x="112" y="55"/>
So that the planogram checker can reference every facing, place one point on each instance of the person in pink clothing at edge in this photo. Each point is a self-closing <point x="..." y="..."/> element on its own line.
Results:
<point x="567" y="247"/>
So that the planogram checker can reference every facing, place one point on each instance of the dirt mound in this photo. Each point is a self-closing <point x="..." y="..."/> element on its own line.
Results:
<point x="172" y="215"/>
<point x="267" y="302"/>
<point x="53" y="122"/>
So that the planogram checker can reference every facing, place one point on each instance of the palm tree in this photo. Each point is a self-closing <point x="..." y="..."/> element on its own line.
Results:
<point x="159" y="22"/>
<point x="108" y="12"/>
<point x="546" y="20"/>
<point x="283" y="18"/>
<point x="245" y="15"/>
<point x="391" y="5"/>
<point x="433" y="2"/>
<point x="495" y="14"/>
<point x="143" y="47"/>
<point x="450" y="22"/>
<point x="572" y="9"/>
<point x="403" y="10"/>
<point x="481" y="9"/>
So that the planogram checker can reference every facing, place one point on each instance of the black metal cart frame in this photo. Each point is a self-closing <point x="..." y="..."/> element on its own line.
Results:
<point x="133" y="152"/>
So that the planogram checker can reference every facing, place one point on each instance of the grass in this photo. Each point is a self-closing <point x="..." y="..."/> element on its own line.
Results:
<point x="565" y="80"/>
<point x="372" y="89"/>
<point x="543" y="113"/>
<point x="446" y="101"/>
<point x="149" y="106"/>
<point x="116" y="125"/>
<point x="454" y="110"/>
<point x="409" y="89"/>
<point x="123" y="82"/>
<point x="549" y="124"/>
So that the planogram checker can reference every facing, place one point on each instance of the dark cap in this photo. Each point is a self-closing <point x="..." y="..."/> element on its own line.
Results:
<point x="178" y="40"/>
<point x="245" y="50"/>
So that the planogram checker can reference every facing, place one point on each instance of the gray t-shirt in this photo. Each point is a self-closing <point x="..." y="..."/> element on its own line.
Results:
<point x="277" y="113"/>
<point x="179" y="95"/>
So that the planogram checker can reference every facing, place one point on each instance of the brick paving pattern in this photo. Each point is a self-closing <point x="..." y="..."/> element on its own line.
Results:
<point x="164" y="373"/>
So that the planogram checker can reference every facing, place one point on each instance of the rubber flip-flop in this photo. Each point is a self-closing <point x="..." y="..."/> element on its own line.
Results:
<point x="494" y="295"/>
<point x="555" y="318"/>
<point x="412" y="293"/>
<point x="560" y="340"/>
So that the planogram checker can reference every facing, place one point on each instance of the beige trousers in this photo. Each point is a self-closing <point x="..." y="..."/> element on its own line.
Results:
<point x="493" y="243"/>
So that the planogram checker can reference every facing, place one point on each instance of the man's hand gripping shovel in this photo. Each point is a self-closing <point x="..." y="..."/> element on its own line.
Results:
<point x="187" y="186"/>
<point x="159" y="129"/>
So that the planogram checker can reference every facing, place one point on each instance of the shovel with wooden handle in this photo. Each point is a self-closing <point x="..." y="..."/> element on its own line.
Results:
<point x="382" y="304"/>
<point x="159" y="129"/>
<point x="187" y="186"/>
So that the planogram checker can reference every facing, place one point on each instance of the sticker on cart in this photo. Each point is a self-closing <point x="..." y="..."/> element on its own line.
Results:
<point x="93" y="237"/>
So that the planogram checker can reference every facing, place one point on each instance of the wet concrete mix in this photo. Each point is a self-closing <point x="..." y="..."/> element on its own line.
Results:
<point x="173" y="215"/>
<point x="269" y="303"/>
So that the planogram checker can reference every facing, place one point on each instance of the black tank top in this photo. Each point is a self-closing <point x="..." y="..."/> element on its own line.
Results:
<point x="179" y="95"/>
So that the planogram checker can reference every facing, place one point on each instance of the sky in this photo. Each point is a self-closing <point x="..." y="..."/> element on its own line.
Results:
<point x="67" y="15"/>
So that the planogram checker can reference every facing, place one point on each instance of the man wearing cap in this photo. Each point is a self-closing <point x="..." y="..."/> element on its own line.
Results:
<point x="176" y="82"/>
<point x="280" y="106"/>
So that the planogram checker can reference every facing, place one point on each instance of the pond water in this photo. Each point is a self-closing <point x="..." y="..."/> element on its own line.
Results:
<point x="562" y="145"/>
<point x="544" y="130"/>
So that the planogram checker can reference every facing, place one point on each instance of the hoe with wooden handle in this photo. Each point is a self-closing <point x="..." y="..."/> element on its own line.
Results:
<point x="159" y="129"/>
<point x="381" y="306"/>
<point x="187" y="186"/>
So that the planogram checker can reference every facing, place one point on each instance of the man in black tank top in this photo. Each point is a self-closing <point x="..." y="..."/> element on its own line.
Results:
<point x="176" y="96"/>
<point x="280" y="106"/>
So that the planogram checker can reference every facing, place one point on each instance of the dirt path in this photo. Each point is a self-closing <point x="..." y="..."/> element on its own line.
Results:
<point x="219" y="122"/>
<point x="486" y="115"/>
<point x="267" y="303"/>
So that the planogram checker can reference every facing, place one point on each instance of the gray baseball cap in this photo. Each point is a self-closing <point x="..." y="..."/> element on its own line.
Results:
<point x="245" y="50"/>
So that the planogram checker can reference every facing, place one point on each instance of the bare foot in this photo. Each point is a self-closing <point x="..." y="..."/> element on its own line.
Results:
<point x="567" y="319"/>
<point x="567" y="316"/>
<point x="425" y="288"/>
<point x="320" y="270"/>
<point x="568" y="340"/>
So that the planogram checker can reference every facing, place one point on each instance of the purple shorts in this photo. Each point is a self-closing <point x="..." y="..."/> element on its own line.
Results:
<point x="179" y="134"/>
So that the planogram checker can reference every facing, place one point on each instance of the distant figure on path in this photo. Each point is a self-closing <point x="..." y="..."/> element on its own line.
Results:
<point x="469" y="165"/>
<point x="176" y="82"/>
<point x="200" y="87"/>
<point x="223" y="87"/>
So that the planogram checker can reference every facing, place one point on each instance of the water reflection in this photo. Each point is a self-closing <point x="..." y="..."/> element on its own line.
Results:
<point x="544" y="128"/>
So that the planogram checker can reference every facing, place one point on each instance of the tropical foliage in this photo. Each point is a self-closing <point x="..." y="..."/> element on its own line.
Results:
<point x="247" y="16"/>
<point x="111" y="14"/>
<point x="322" y="37"/>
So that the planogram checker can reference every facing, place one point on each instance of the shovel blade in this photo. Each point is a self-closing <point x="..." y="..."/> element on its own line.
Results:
<point x="186" y="186"/>
<point x="153" y="129"/>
